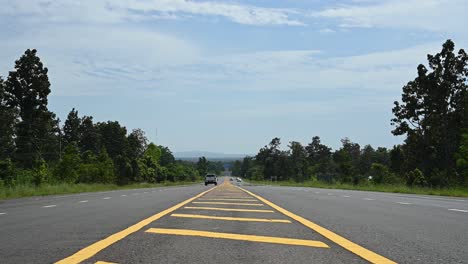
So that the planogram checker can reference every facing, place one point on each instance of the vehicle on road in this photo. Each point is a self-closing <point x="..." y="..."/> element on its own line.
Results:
<point x="211" y="179"/>
<point x="238" y="179"/>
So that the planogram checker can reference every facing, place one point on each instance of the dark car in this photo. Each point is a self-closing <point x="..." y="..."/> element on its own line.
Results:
<point x="211" y="179"/>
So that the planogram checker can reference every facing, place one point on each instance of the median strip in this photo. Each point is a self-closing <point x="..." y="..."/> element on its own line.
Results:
<point x="247" y="204"/>
<point x="264" y="239"/>
<point x="229" y="209"/>
<point x="232" y="218"/>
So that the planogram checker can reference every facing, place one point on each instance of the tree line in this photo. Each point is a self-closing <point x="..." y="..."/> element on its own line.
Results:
<point x="432" y="114"/>
<point x="36" y="149"/>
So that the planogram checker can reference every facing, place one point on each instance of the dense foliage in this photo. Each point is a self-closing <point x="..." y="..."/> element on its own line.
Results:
<point x="433" y="115"/>
<point x="35" y="150"/>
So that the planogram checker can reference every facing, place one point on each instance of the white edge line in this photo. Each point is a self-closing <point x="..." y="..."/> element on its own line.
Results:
<point x="404" y="203"/>
<point x="48" y="206"/>
<point x="459" y="210"/>
<point x="2" y="213"/>
<point x="123" y="195"/>
<point x="106" y="198"/>
<point x="84" y="201"/>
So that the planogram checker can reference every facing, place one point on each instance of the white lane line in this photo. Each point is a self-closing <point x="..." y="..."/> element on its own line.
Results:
<point x="2" y="213"/>
<point x="369" y="199"/>
<point x="84" y="201"/>
<point x="459" y="210"/>
<point x="49" y="206"/>
<point x="346" y="196"/>
<point x="404" y="203"/>
<point x="123" y="195"/>
<point x="106" y="198"/>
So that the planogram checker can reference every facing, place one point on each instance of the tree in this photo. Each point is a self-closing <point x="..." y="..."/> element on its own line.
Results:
<point x="269" y="157"/>
<point x="137" y="143"/>
<point x="27" y="88"/>
<point x="247" y="163"/>
<point x="298" y="161"/>
<point x="90" y="137"/>
<point x="432" y="111"/>
<point x="166" y="156"/>
<point x="153" y="152"/>
<point x="202" y="166"/>
<point x="114" y="139"/>
<point x="397" y="159"/>
<point x="462" y="159"/>
<point x="7" y="125"/>
<point x="71" y="129"/>
<point x="67" y="170"/>
<point x="347" y="158"/>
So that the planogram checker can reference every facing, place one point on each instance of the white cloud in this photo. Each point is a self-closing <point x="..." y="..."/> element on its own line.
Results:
<point x="301" y="71"/>
<point x="121" y="10"/>
<point x="433" y="15"/>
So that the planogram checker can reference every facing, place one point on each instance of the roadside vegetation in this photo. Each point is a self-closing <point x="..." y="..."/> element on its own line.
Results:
<point x="39" y="156"/>
<point x="432" y="115"/>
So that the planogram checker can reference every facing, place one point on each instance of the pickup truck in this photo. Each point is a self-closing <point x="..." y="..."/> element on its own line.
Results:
<point x="211" y="179"/>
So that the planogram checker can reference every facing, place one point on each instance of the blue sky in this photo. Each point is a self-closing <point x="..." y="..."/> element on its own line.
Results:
<point x="227" y="76"/>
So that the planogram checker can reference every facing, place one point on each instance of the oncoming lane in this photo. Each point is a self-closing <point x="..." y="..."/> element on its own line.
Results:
<point x="230" y="225"/>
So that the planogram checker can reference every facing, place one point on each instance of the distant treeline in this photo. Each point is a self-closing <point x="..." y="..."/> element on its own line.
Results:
<point x="432" y="114"/>
<point x="35" y="149"/>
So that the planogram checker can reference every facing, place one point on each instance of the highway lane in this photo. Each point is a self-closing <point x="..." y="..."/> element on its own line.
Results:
<point x="401" y="228"/>
<point x="409" y="228"/>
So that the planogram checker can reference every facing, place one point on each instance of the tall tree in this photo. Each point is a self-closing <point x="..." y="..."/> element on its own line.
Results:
<point x="71" y="129"/>
<point x="7" y="125"/>
<point x="319" y="155"/>
<point x="27" y="88"/>
<point x="137" y="143"/>
<point x="166" y="156"/>
<point x="431" y="111"/>
<point x="298" y="160"/>
<point x="114" y="139"/>
<point x="90" y="137"/>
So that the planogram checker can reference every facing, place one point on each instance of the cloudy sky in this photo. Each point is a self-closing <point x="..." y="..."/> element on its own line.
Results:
<point x="229" y="75"/>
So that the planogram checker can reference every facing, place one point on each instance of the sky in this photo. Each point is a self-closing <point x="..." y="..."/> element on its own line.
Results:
<point x="228" y="76"/>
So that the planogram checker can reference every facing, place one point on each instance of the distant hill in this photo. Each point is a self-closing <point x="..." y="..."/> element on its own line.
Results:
<point x="206" y="154"/>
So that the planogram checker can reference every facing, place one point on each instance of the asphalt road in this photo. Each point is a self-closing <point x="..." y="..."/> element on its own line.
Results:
<point x="226" y="224"/>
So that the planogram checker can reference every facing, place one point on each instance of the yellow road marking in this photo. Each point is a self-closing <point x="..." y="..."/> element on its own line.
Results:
<point x="229" y="209"/>
<point x="345" y="243"/>
<point x="227" y="199"/>
<point x="264" y="239"/>
<point x="93" y="249"/>
<point x="232" y="218"/>
<point x="248" y="204"/>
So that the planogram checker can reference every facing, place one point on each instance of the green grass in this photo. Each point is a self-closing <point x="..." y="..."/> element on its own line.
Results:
<point x="26" y="190"/>
<point x="455" y="192"/>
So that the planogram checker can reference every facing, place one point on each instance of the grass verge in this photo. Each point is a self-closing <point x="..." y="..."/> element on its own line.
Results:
<point x="455" y="192"/>
<point x="64" y="188"/>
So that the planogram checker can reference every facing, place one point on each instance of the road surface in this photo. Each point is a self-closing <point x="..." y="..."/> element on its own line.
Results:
<point x="228" y="224"/>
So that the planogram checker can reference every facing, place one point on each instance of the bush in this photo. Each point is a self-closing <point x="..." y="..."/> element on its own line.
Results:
<point x="7" y="172"/>
<point x="41" y="173"/>
<point x="416" y="178"/>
